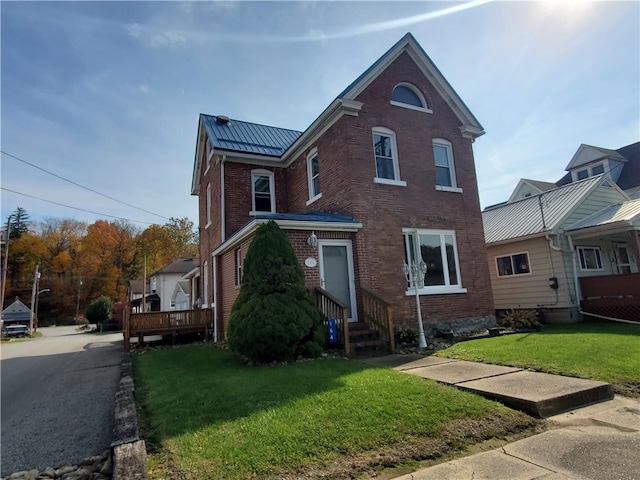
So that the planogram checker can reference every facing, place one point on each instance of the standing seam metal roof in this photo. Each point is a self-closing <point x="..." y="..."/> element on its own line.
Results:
<point x="246" y="137"/>
<point x="525" y="217"/>
<point x="626" y="211"/>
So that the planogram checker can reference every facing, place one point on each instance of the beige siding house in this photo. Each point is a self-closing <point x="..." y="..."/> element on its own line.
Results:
<point x="539" y="247"/>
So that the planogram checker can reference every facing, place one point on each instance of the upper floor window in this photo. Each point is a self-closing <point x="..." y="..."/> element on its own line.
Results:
<point x="238" y="266"/>
<point x="386" y="156"/>
<point x="582" y="174"/>
<point x="597" y="169"/>
<point x="407" y="96"/>
<point x="515" y="264"/>
<point x="209" y="153"/>
<point x="587" y="171"/>
<point x="313" y="176"/>
<point x="437" y="251"/>
<point x="590" y="258"/>
<point x="262" y="191"/>
<point x="445" y="171"/>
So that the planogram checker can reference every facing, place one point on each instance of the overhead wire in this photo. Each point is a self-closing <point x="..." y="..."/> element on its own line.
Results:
<point x="74" y="208"/>
<point x="82" y="186"/>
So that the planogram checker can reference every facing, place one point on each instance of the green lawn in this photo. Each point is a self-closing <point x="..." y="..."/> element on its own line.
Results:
<point x="608" y="352"/>
<point x="205" y="415"/>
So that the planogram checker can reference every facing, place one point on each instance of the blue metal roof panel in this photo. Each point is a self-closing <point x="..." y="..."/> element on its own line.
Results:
<point x="247" y="137"/>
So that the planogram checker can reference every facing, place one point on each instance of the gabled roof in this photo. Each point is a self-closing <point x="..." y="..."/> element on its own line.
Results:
<point x="16" y="312"/>
<point x="627" y="213"/>
<point x="538" y="185"/>
<point x="181" y="266"/>
<point x="410" y="45"/>
<point x="630" y="175"/>
<point x="284" y="146"/>
<point x="237" y="136"/>
<point x="588" y="153"/>
<point x="538" y="214"/>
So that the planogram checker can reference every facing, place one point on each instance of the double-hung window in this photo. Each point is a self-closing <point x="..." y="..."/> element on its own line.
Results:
<point x="208" y="205"/>
<point x="514" y="264"/>
<point x="238" y="266"/>
<point x="590" y="258"/>
<point x="437" y="250"/>
<point x="262" y="192"/>
<point x="445" y="171"/>
<point x="313" y="176"/>
<point x="386" y="157"/>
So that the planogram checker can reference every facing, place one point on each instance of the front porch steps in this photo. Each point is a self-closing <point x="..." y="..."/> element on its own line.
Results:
<point x="365" y="341"/>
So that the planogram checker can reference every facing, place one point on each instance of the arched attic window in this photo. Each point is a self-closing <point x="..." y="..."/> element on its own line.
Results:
<point x="407" y="96"/>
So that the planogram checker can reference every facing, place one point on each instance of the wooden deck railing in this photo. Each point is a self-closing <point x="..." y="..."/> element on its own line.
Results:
<point x="333" y="308"/>
<point x="377" y="314"/>
<point x="615" y="296"/>
<point x="165" y="323"/>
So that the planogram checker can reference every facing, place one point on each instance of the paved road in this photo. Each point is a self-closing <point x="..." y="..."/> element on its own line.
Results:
<point x="58" y="394"/>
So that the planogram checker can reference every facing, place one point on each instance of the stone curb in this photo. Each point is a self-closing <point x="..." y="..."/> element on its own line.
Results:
<point x="128" y="451"/>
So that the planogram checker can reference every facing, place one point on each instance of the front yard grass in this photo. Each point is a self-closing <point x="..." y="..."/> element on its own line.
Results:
<point x="609" y="352"/>
<point x="204" y="415"/>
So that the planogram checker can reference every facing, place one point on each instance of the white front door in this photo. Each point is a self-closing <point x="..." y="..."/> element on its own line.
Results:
<point x="336" y="272"/>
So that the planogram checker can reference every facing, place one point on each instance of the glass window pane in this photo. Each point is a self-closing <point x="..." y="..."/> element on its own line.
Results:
<point x="261" y="183"/>
<point x="504" y="266"/>
<point x="404" y="94"/>
<point x="443" y="177"/>
<point x="521" y="263"/>
<point x="384" y="168"/>
<point x="431" y="251"/>
<point x="382" y="145"/>
<point x="316" y="186"/>
<point x="598" y="169"/>
<point x="451" y="260"/>
<point x="582" y="174"/>
<point x="314" y="166"/>
<point x="441" y="156"/>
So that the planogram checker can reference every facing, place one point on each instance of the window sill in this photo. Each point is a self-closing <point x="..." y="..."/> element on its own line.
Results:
<point x="311" y="200"/>
<point x="443" y="290"/>
<point x="386" y="181"/>
<point x="411" y="107"/>
<point x="443" y="188"/>
<point x="253" y="213"/>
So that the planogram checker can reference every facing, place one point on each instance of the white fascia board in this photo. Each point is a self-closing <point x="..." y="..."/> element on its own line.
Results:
<point x="197" y="163"/>
<point x="337" y="108"/>
<point x="249" y="228"/>
<point x="250" y="158"/>
<point x="192" y="273"/>
<point x="606" y="229"/>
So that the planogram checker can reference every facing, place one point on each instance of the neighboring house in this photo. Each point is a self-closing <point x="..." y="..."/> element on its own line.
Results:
<point x="180" y="296"/>
<point x="16" y="314"/>
<point x="385" y="175"/>
<point x="163" y="282"/>
<point x="542" y="248"/>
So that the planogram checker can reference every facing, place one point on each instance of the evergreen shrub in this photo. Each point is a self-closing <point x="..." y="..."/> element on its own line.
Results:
<point x="274" y="317"/>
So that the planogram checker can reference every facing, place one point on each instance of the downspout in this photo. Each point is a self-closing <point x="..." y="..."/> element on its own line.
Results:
<point x="215" y="297"/>
<point x="223" y="233"/>
<point x="578" y="294"/>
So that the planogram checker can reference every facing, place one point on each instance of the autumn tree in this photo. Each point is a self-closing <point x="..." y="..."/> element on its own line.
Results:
<point x="184" y="238"/>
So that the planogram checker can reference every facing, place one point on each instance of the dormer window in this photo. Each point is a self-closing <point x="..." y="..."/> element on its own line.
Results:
<point x="597" y="169"/>
<point x="407" y="96"/>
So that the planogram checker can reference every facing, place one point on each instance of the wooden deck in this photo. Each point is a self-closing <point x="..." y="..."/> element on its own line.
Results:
<point x="166" y="323"/>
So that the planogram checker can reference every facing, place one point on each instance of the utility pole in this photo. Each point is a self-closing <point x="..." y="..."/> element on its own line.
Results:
<point x="34" y="289"/>
<point x="6" y="262"/>
<point x="78" y="302"/>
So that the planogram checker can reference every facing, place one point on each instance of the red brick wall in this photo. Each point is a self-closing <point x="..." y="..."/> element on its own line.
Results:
<point x="210" y="237"/>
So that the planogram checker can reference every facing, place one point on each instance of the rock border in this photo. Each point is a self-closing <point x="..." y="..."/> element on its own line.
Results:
<point x="128" y="450"/>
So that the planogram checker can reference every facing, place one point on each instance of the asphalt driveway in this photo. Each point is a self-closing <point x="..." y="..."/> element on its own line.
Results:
<point x="57" y="397"/>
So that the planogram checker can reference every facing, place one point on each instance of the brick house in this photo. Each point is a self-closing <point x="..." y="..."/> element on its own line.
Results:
<point x="385" y="175"/>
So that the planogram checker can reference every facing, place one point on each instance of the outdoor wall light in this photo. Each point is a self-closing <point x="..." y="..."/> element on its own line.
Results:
<point x="313" y="240"/>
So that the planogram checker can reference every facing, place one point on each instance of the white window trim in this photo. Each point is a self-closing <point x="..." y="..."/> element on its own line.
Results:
<point x="442" y="188"/>
<point x="589" y="247"/>
<point x="437" y="289"/>
<point x="205" y="286"/>
<point x="312" y="198"/>
<point x="394" y="151"/>
<point x="208" y="206"/>
<point x="441" y="142"/>
<point x="238" y="267"/>
<point x="208" y="154"/>
<point x="589" y="168"/>
<point x="272" y="191"/>
<point x="510" y="255"/>
<point x="408" y="105"/>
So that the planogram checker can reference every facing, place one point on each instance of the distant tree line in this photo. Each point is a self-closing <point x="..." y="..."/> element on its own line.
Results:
<point x="79" y="262"/>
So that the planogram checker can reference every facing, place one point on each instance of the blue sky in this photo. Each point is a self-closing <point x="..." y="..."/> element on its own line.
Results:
<point x="107" y="94"/>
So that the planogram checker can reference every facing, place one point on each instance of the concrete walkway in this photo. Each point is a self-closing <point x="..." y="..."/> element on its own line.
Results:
<point x="597" y="436"/>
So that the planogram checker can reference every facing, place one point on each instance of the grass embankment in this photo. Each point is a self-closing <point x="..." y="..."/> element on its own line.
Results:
<point x="609" y="352"/>
<point x="205" y="415"/>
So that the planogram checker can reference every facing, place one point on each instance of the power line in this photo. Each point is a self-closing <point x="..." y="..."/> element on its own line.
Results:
<point x="82" y="186"/>
<point x="75" y="208"/>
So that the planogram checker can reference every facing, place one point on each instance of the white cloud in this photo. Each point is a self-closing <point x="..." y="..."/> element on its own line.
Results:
<point x="144" y="89"/>
<point x="166" y="39"/>
<point x="134" y="29"/>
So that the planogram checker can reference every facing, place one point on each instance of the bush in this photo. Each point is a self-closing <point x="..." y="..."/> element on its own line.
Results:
<point x="405" y="334"/>
<point x="100" y="310"/>
<point x="520" y="319"/>
<point x="274" y="317"/>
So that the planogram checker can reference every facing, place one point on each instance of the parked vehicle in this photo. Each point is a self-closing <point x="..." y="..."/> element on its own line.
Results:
<point x="15" y="330"/>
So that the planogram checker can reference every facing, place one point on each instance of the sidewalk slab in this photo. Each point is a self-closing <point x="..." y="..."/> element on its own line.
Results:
<point x="540" y="394"/>
<point x="458" y="371"/>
